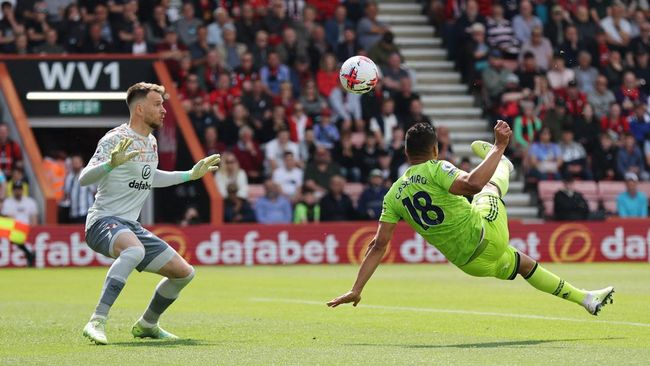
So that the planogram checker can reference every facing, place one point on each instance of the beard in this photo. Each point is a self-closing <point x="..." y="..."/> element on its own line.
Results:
<point x="154" y="123"/>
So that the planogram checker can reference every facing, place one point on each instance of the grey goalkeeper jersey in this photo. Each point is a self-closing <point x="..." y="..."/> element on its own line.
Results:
<point x="122" y="191"/>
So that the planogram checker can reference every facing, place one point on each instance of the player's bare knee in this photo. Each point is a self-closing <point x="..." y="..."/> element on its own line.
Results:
<point x="526" y="264"/>
<point x="185" y="276"/>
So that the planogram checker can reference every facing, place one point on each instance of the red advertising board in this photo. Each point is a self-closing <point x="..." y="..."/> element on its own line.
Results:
<point x="610" y="241"/>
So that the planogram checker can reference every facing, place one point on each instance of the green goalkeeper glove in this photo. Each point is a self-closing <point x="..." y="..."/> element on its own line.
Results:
<point x="119" y="155"/>
<point x="209" y="164"/>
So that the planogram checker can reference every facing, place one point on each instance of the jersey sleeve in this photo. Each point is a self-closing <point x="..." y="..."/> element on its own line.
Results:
<point x="104" y="148"/>
<point x="444" y="173"/>
<point x="388" y="212"/>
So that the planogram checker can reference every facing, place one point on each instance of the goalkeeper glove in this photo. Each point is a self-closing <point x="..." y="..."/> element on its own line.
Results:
<point x="209" y="164"/>
<point x="119" y="155"/>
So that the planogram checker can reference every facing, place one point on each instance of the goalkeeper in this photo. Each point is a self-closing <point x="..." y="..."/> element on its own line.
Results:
<point x="124" y="167"/>
<point x="474" y="237"/>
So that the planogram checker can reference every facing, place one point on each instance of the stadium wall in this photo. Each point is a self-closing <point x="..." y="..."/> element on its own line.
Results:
<point x="337" y="243"/>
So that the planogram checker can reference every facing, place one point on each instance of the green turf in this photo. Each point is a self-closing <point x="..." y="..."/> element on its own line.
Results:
<point x="223" y="321"/>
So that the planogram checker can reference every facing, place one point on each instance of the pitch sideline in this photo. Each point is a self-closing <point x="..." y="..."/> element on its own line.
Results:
<point x="451" y="311"/>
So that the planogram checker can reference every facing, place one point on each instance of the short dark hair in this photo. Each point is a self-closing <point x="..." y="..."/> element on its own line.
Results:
<point x="141" y="90"/>
<point x="420" y="139"/>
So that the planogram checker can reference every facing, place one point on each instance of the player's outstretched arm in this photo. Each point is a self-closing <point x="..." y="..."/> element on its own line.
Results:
<point x="471" y="183"/>
<point x="104" y="163"/>
<point x="375" y="253"/>
<point x="166" y="179"/>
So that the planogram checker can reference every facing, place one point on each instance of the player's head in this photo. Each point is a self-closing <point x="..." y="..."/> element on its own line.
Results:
<point x="145" y="101"/>
<point x="421" y="142"/>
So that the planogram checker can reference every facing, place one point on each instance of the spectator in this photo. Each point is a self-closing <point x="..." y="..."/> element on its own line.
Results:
<point x="211" y="143"/>
<point x="230" y="129"/>
<point x="320" y="170"/>
<point x="210" y="71"/>
<point x="526" y="127"/>
<point x="289" y="176"/>
<point x="236" y="208"/>
<point x="445" y="151"/>
<point x="349" y="157"/>
<point x="190" y="217"/>
<point x="416" y="115"/>
<point x="101" y="17"/>
<point x="311" y="101"/>
<point x="172" y="51"/>
<point x="10" y="153"/>
<point x="291" y="47"/>
<point x="459" y="34"/>
<point x="187" y="26"/>
<point x="9" y="26"/>
<point x="557" y="26"/>
<point x="475" y="53"/>
<point x="493" y="78"/>
<point x="4" y="187"/>
<point x="585" y="74"/>
<point x="77" y="197"/>
<point x="500" y="34"/>
<point x="94" y="43"/>
<point x="336" y="26"/>
<point x="571" y="47"/>
<point x="274" y="73"/>
<point x="318" y="47"/>
<point x="249" y="155"/>
<point x="369" y="156"/>
<point x="50" y="46"/>
<point x="568" y="204"/>
<point x="605" y="159"/>
<point x="587" y="129"/>
<point x="276" y="20"/>
<point x="325" y="133"/>
<point x="247" y="26"/>
<point x="629" y="93"/>
<point x="224" y="98"/>
<point x="616" y="27"/>
<point x="308" y="209"/>
<point x="403" y="98"/>
<point x="641" y="43"/>
<point x="336" y="205"/>
<point x="23" y="209"/>
<point x="298" y="123"/>
<point x="126" y="23"/>
<point x="370" y="201"/>
<point x="528" y="72"/>
<point x="327" y="77"/>
<point x="200" y="47"/>
<point x="575" y="99"/>
<point x="632" y="202"/>
<point x="574" y="157"/>
<point x="369" y="29"/>
<point x="538" y="46"/>
<point x="393" y="73"/>
<point x="614" y="70"/>
<point x="383" y="49"/>
<point x="190" y="91"/>
<point x="545" y="158"/>
<point x="559" y="76"/>
<point x="558" y="118"/>
<point x="257" y="102"/>
<point x="346" y="107"/>
<point x="383" y="124"/>
<point x="38" y="25"/>
<point x="307" y="147"/>
<point x="630" y="159"/>
<point x="17" y="175"/>
<point x="273" y="208"/>
<point x="216" y="27"/>
<point x="157" y="26"/>
<point x="525" y="22"/>
<point x="614" y="122"/>
<point x="200" y="117"/>
<point x="640" y="123"/>
<point x="348" y="47"/>
<point x="642" y="69"/>
<point x="139" y="45"/>
<point x="275" y="149"/>
<point x="231" y="174"/>
<point x="586" y="27"/>
<point x="601" y="98"/>
<point x="71" y="29"/>
<point x="260" y="49"/>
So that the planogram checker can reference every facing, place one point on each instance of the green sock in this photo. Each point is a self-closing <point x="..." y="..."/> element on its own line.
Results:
<point x="548" y="282"/>
<point x="501" y="178"/>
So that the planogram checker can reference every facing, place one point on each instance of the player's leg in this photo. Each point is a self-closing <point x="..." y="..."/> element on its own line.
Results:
<point x="162" y="259"/>
<point x="111" y="237"/>
<point x="29" y="256"/>
<point x="546" y="281"/>
<point x="177" y="274"/>
<point x="501" y="177"/>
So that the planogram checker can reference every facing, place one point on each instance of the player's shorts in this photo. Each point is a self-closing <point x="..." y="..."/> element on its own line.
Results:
<point x="102" y="235"/>
<point x="494" y="257"/>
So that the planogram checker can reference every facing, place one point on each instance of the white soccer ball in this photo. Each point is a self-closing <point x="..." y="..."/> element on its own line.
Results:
<point x="358" y="75"/>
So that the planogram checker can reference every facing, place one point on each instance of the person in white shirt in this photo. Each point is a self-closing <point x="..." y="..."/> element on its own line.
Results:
<point x="124" y="167"/>
<point x="617" y="28"/>
<point x="289" y="176"/>
<point x="23" y="209"/>
<point x="383" y="124"/>
<point x="274" y="150"/>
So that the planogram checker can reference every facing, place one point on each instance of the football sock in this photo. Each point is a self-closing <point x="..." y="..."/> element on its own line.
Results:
<point x="116" y="277"/>
<point x="166" y="292"/>
<point x="501" y="178"/>
<point x="548" y="282"/>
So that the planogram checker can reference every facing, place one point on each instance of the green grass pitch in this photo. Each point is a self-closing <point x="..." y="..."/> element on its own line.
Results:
<point x="410" y="314"/>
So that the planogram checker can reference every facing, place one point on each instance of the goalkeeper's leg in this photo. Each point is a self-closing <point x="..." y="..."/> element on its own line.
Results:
<point x="178" y="273"/>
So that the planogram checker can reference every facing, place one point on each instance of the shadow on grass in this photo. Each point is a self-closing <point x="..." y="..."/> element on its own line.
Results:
<point x="163" y="343"/>
<point x="522" y="343"/>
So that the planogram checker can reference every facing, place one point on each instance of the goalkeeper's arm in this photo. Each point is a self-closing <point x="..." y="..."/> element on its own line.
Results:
<point x="166" y="179"/>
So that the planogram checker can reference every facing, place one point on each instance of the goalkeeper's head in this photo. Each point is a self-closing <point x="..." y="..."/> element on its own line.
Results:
<point x="421" y="143"/>
<point x="145" y="101"/>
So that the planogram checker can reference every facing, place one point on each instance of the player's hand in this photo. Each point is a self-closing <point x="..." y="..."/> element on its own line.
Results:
<point x="119" y="155"/>
<point x="350" y="296"/>
<point x="502" y="133"/>
<point x="209" y="164"/>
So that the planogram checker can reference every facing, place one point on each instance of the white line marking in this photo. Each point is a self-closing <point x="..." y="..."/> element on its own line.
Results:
<point x="451" y="311"/>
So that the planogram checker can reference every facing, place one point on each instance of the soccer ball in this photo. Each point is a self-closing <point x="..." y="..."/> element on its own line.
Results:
<point x="358" y="75"/>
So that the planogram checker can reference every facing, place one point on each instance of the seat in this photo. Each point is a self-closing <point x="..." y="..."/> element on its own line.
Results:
<point x="645" y="188"/>
<point x="608" y="191"/>
<point x="546" y="190"/>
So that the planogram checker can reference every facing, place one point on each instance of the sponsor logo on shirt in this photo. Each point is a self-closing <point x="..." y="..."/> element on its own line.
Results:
<point x="139" y="185"/>
<point x="146" y="172"/>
